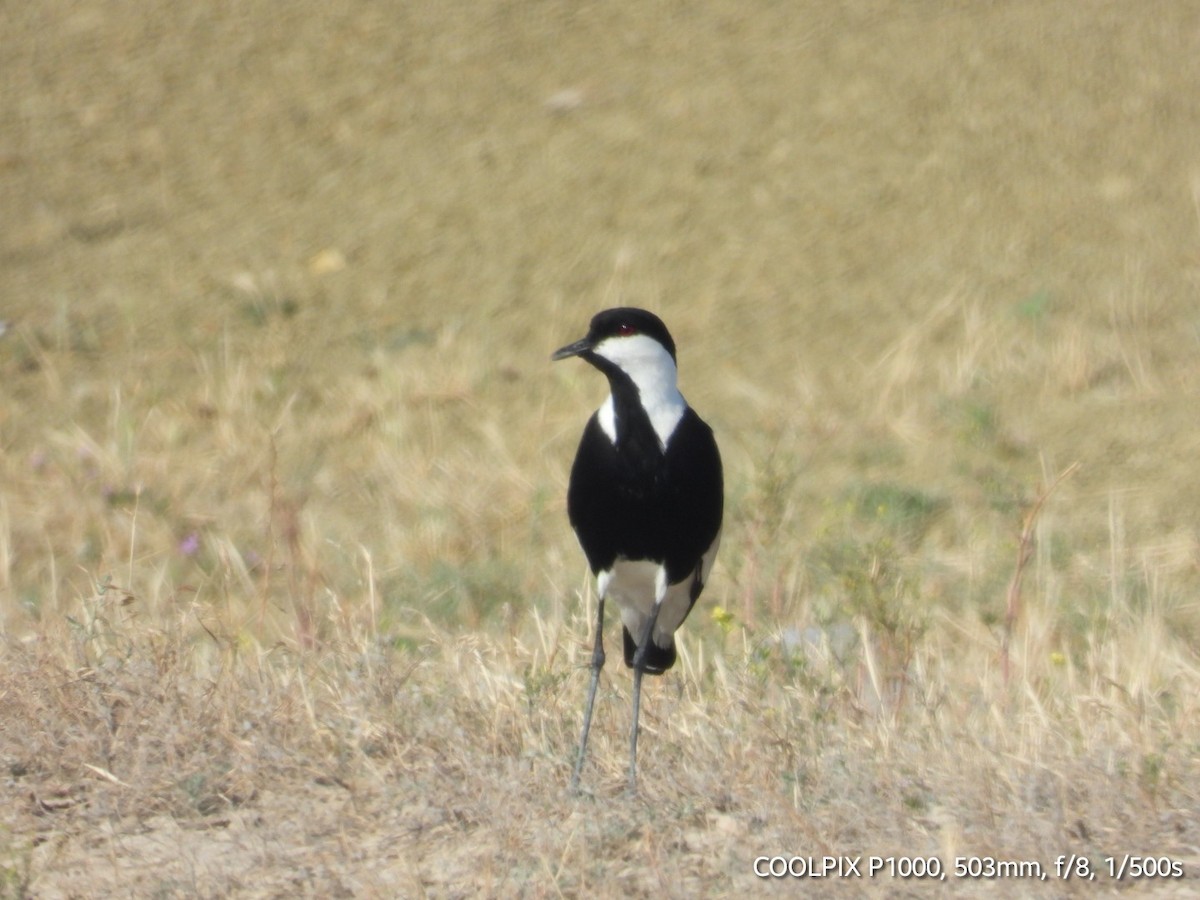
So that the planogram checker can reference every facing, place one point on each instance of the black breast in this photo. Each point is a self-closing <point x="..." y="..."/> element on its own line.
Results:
<point x="635" y="500"/>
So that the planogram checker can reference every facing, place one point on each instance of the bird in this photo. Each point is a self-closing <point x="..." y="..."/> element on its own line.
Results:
<point x="645" y="499"/>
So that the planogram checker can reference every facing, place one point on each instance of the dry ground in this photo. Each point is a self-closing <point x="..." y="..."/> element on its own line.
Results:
<point x="289" y="604"/>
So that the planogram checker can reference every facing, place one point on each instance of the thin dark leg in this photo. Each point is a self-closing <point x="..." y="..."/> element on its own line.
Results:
<point x="597" y="665"/>
<point x="639" y="666"/>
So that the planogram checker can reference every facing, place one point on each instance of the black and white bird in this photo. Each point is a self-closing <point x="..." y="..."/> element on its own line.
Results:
<point x="645" y="499"/>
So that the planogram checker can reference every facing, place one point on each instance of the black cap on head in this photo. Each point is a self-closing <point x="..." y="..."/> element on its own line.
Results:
<point x="622" y="321"/>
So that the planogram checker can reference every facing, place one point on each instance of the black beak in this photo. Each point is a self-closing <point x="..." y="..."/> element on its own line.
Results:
<point x="575" y="349"/>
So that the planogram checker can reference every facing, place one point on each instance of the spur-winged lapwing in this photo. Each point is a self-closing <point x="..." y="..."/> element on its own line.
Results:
<point x="645" y="499"/>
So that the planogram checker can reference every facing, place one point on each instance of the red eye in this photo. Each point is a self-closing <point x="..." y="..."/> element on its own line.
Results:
<point x="626" y="330"/>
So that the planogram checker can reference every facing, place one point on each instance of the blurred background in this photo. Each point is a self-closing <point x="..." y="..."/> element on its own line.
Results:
<point x="289" y="602"/>
<point x="282" y="282"/>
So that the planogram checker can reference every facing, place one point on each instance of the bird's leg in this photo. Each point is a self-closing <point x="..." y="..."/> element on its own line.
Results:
<point x="597" y="665"/>
<point x="639" y="667"/>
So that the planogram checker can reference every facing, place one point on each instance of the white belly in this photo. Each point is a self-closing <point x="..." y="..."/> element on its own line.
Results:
<point x="637" y="585"/>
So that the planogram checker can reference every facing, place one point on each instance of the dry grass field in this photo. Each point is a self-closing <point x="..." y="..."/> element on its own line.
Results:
<point x="289" y="604"/>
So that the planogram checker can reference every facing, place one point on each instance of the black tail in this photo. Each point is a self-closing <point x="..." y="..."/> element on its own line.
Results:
<point x="658" y="659"/>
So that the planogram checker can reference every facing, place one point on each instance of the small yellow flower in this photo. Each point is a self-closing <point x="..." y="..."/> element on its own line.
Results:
<point x="723" y="617"/>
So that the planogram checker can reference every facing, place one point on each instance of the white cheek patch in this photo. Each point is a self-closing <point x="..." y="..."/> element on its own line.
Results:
<point x="653" y="372"/>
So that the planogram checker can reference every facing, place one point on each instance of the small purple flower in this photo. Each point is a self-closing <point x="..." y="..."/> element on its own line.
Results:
<point x="190" y="545"/>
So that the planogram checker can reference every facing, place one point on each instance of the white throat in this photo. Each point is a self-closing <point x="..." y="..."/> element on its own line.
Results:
<point x="653" y="372"/>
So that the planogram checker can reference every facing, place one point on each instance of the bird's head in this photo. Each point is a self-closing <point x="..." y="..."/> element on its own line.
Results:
<point x="628" y="340"/>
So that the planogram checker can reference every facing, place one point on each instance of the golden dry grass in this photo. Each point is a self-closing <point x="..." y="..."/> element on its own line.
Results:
<point x="289" y="601"/>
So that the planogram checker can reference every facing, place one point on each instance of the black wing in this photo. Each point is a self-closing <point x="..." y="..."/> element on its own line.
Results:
<point x="695" y="500"/>
<point x="595" y="503"/>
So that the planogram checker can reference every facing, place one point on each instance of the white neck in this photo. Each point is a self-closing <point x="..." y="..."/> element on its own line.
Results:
<point x="653" y="372"/>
